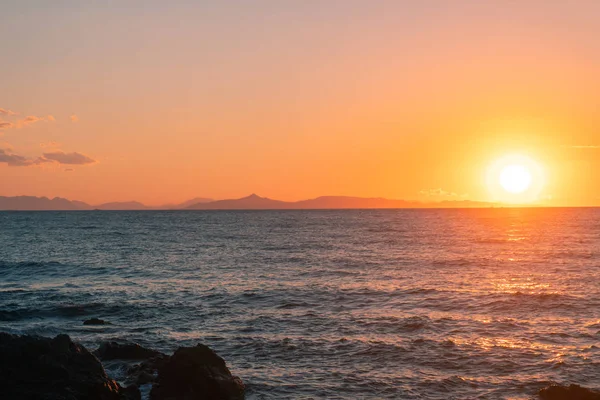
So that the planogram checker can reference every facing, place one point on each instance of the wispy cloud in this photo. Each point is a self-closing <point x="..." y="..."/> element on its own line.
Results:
<point x="69" y="158"/>
<point x="15" y="160"/>
<point x="6" y="146"/>
<point x="49" y="144"/>
<point x="32" y="119"/>
<point x="7" y="156"/>
<point x="6" y="125"/>
<point x="585" y="147"/>
<point x="20" y="123"/>
<point x="57" y="157"/>
<point x="4" y="111"/>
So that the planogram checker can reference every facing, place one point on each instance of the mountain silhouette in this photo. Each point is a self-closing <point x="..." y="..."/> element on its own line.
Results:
<point x="186" y="204"/>
<point x="252" y="202"/>
<point x="40" y="203"/>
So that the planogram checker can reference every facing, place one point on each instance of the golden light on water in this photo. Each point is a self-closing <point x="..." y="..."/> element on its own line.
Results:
<point x="515" y="179"/>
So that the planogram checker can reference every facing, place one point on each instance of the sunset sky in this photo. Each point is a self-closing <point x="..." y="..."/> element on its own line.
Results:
<point x="161" y="101"/>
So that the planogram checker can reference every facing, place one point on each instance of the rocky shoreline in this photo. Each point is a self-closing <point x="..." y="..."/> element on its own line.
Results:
<point x="33" y="367"/>
<point x="57" y="368"/>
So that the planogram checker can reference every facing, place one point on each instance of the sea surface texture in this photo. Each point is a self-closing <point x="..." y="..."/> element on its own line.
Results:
<point x="363" y="304"/>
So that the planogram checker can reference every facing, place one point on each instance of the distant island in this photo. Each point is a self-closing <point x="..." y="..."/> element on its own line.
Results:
<point x="252" y="202"/>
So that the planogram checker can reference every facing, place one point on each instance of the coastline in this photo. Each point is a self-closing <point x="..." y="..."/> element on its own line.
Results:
<point x="35" y="367"/>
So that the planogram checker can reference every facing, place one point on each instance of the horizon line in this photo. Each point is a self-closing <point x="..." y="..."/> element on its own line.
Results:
<point x="265" y="203"/>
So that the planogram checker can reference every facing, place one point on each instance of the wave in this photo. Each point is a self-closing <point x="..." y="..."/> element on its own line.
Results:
<point x="542" y="296"/>
<point x="30" y="264"/>
<point x="39" y="311"/>
<point x="25" y="272"/>
<point x="593" y="325"/>
<point x="394" y="324"/>
<point x="457" y="262"/>
<point x="491" y="241"/>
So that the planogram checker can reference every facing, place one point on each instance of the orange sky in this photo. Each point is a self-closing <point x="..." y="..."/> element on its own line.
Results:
<point x="164" y="102"/>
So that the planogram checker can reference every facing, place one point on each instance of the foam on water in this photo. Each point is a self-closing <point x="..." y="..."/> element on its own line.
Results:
<point x="432" y="304"/>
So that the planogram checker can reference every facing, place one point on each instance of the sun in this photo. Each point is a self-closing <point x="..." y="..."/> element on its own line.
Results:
<point x="515" y="179"/>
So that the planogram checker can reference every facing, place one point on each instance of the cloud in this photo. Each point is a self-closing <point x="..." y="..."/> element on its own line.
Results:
<point x="32" y="119"/>
<point x="585" y="147"/>
<point x="15" y="160"/>
<point x="56" y="157"/>
<point x="4" y="111"/>
<point x="74" y="118"/>
<point x="6" y="125"/>
<point x="29" y="120"/>
<point x="50" y="144"/>
<point x="439" y="192"/>
<point x="69" y="158"/>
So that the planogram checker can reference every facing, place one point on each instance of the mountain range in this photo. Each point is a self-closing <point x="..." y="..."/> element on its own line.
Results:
<point x="252" y="202"/>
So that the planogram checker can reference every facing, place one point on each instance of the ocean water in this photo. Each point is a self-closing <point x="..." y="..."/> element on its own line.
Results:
<point x="362" y="304"/>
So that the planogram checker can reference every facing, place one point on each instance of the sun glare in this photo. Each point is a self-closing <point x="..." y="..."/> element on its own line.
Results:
<point x="515" y="179"/>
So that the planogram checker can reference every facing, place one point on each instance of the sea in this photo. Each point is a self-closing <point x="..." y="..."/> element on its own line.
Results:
<point x="334" y="304"/>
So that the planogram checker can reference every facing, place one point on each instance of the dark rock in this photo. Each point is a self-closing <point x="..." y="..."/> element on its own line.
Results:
<point x="141" y="377"/>
<point x="571" y="392"/>
<point x="125" y="351"/>
<point x="52" y="369"/>
<point x="131" y="392"/>
<point x="96" y="321"/>
<point x="196" y="373"/>
<point x="146" y="371"/>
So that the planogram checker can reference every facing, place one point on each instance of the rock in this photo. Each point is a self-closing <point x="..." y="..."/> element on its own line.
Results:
<point x="571" y="392"/>
<point x="146" y="371"/>
<point x="141" y="377"/>
<point x="196" y="373"/>
<point x="131" y="392"/>
<point x="125" y="351"/>
<point x="96" y="321"/>
<point x="52" y="369"/>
